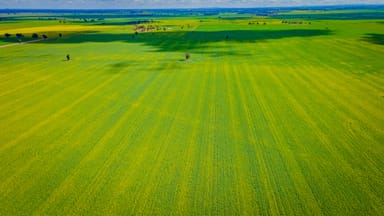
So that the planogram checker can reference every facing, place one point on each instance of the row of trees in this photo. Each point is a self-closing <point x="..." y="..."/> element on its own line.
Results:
<point x="295" y="22"/>
<point x="257" y="23"/>
<point x="149" y="28"/>
<point x="34" y="36"/>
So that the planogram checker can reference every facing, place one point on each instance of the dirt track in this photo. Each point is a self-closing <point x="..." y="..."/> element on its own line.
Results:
<point x="21" y="43"/>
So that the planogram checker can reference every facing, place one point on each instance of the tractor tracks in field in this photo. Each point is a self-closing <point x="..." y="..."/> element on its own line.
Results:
<point x="56" y="114"/>
<point x="100" y="146"/>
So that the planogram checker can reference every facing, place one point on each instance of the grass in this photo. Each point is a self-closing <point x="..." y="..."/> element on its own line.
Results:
<point x="276" y="120"/>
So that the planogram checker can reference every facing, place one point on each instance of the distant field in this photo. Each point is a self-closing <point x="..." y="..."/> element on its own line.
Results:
<point x="263" y="119"/>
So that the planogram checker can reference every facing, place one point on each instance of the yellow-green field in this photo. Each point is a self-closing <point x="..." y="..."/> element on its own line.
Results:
<point x="275" y="119"/>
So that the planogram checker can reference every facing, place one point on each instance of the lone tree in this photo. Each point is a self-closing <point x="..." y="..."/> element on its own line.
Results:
<point x="19" y="35"/>
<point x="187" y="56"/>
<point x="35" y="36"/>
<point x="7" y="35"/>
<point x="60" y="35"/>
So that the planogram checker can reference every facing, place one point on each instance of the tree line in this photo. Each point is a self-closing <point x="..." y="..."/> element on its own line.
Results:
<point x="34" y="36"/>
<point x="295" y="22"/>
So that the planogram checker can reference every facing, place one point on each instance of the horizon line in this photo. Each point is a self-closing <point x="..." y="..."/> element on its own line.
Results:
<point x="194" y="8"/>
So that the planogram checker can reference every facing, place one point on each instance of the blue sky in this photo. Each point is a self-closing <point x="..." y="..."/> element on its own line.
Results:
<point x="104" y="4"/>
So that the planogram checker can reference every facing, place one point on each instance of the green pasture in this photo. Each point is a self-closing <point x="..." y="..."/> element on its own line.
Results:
<point x="275" y="119"/>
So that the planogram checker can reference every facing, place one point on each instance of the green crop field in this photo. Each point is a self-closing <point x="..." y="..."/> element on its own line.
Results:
<point x="278" y="118"/>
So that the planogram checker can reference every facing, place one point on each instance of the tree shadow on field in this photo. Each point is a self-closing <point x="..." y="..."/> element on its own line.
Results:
<point x="374" y="38"/>
<point x="118" y="67"/>
<point x="196" y="41"/>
